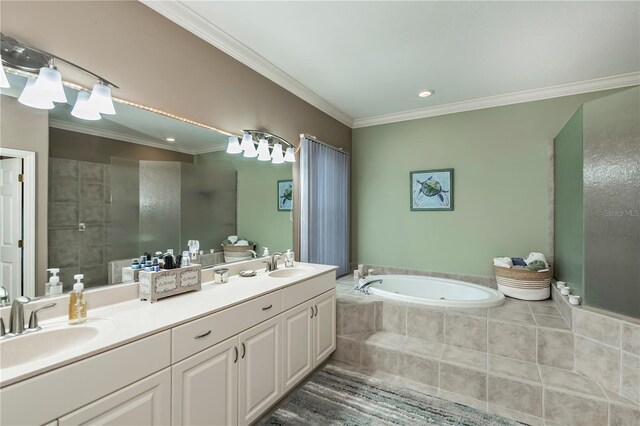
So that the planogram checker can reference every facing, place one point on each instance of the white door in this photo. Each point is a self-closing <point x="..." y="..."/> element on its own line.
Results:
<point x="325" y="326"/>
<point x="147" y="402"/>
<point x="260" y="380"/>
<point x="11" y="226"/>
<point x="297" y="348"/>
<point x="205" y="387"/>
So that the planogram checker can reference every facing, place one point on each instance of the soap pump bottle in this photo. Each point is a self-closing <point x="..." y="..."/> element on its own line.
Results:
<point x="288" y="259"/>
<point x="54" y="286"/>
<point x="77" y="303"/>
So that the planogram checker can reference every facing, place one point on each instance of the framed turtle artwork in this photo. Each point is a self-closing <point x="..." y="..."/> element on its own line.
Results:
<point x="285" y="195"/>
<point x="431" y="190"/>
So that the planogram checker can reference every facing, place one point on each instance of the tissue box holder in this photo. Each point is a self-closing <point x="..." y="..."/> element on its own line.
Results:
<point x="154" y="286"/>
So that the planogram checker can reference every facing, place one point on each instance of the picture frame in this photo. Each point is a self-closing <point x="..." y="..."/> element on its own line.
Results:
<point x="431" y="190"/>
<point x="285" y="195"/>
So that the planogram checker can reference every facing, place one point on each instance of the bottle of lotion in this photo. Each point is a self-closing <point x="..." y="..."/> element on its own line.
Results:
<point x="77" y="303"/>
<point x="54" y="286"/>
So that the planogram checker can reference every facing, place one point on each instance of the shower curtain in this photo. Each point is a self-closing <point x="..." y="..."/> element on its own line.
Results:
<point x="324" y="205"/>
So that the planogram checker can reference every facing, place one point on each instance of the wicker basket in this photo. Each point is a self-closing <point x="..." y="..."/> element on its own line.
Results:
<point x="523" y="283"/>
<point x="236" y="253"/>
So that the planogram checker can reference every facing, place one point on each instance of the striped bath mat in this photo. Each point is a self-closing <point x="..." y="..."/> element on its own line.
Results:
<point x="334" y="396"/>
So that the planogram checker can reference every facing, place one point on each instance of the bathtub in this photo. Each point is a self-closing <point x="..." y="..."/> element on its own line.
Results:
<point x="434" y="291"/>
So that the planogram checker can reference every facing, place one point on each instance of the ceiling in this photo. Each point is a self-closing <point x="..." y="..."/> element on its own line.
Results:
<point x="131" y="124"/>
<point x="365" y="62"/>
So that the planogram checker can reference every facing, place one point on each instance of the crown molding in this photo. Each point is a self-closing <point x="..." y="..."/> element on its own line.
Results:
<point x="110" y="134"/>
<point x="184" y="16"/>
<point x="612" y="82"/>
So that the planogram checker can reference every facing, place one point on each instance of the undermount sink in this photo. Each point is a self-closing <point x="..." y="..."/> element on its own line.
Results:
<point x="49" y="341"/>
<point x="288" y="273"/>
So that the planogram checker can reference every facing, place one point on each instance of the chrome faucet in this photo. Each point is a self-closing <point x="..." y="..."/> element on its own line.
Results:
<point x="363" y="285"/>
<point x="272" y="264"/>
<point x="16" y="318"/>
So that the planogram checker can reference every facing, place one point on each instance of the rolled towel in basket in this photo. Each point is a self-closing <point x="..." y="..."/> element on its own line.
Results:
<point x="503" y="262"/>
<point x="533" y="256"/>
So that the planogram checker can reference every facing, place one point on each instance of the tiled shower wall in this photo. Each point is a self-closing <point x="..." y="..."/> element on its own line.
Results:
<point x="79" y="192"/>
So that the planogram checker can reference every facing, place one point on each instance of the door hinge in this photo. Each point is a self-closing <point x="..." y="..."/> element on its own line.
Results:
<point x="20" y="244"/>
<point x="21" y="178"/>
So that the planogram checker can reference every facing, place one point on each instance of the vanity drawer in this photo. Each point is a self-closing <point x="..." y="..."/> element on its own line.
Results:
<point x="301" y="292"/>
<point x="200" y="334"/>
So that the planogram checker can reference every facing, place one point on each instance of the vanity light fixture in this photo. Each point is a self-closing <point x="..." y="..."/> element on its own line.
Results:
<point x="265" y="141"/>
<point x="426" y="93"/>
<point x="48" y="87"/>
<point x="234" y="146"/>
<point x="84" y="109"/>
<point x="29" y="97"/>
<point x="4" y="81"/>
<point x="263" y="150"/>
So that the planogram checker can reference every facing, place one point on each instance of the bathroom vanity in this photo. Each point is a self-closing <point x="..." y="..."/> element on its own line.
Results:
<point x="220" y="356"/>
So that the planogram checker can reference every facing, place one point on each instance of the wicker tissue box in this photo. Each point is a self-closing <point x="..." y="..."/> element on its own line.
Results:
<point x="154" y="286"/>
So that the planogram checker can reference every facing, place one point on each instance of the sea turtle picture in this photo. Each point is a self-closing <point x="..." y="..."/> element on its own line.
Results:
<point x="432" y="189"/>
<point x="287" y="195"/>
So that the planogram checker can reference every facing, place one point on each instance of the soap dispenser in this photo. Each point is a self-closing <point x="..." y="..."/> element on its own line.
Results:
<point x="77" y="303"/>
<point x="54" y="286"/>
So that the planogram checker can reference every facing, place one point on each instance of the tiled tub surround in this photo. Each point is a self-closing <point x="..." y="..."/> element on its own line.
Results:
<point x="520" y="360"/>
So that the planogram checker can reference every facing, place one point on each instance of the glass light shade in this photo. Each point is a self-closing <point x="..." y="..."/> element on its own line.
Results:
<point x="30" y="97"/>
<point x="101" y="99"/>
<point x="263" y="150"/>
<point x="247" y="141"/>
<point x="84" y="109"/>
<point x="234" y="146"/>
<point x="249" y="147"/>
<point x="48" y="85"/>
<point x="290" y="155"/>
<point x="4" y="81"/>
<point x="276" y="155"/>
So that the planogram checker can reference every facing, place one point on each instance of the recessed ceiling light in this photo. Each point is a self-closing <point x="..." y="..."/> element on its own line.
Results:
<point x="171" y="139"/>
<point x="426" y="93"/>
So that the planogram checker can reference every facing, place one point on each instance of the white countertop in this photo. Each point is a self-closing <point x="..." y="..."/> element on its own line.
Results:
<point x="134" y="319"/>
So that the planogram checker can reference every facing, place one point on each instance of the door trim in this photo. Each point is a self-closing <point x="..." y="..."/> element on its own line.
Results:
<point x="29" y="216"/>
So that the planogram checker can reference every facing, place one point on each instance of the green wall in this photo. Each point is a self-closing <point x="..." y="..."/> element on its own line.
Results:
<point x="569" y="215"/>
<point x="258" y="215"/>
<point x="501" y="162"/>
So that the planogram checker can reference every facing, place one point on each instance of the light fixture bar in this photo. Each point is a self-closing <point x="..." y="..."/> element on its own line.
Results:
<point x="27" y="58"/>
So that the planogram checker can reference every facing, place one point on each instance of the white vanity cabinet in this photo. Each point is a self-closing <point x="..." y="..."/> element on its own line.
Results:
<point x="225" y="368"/>
<point x="147" y="402"/>
<point x="205" y="386"/>
<point x="309" y="337"/>
<point x="260" y="380"/>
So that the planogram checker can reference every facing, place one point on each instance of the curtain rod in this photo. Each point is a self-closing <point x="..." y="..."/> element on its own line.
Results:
<point x="313" y="138"/>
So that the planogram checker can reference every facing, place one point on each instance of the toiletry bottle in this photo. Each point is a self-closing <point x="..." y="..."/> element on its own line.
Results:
<point x="54" y="286"/>
<point x="265" y="251"/>
<point x="77" y="303"/>
<point x="288" y="259"/>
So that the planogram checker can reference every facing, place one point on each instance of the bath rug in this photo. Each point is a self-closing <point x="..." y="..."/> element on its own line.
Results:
<point x="334" y="396"/>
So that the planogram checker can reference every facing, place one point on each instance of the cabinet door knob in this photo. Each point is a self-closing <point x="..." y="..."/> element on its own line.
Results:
<point x="312" y="312"/>
<point x="235" y="348"/>
<point x="316" y="314"/>
<point x="266" y="308"/>
<point x="244" y="350"/>
<point x="205" y="334"/>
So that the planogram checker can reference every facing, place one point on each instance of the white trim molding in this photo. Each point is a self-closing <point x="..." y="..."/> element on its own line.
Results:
<point x="612" y="82"/>
<point x="109" y="134"/>
<point x="184" y="16"/>
<point x="29" y="217"/>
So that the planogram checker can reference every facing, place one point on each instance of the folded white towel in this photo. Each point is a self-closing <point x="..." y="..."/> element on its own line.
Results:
<point x="232" y="238"/>
<point x="504" y="262"/>
<point x="242" y="243"/>
<point x="533" y="256"/>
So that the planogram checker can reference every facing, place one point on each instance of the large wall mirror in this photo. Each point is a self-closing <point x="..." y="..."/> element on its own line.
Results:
<point x="139" y="181"/>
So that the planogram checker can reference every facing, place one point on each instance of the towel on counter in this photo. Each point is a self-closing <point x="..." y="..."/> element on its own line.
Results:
<point x="503" y="262"/>
<point x="518" y="261"/>
<point x="533" y="256"/>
